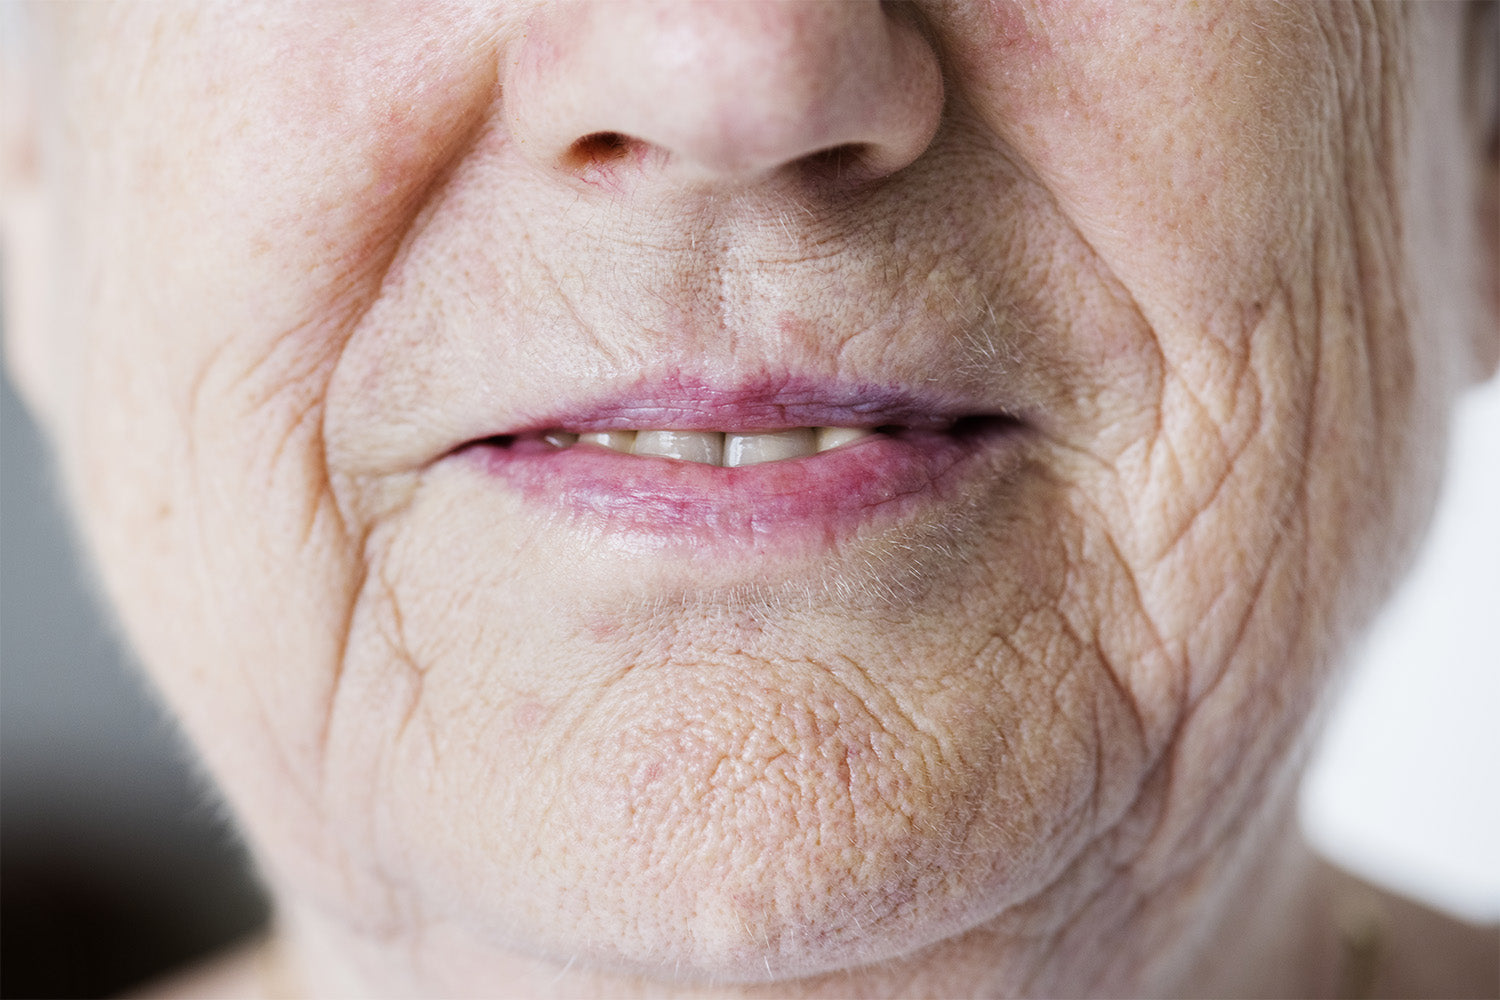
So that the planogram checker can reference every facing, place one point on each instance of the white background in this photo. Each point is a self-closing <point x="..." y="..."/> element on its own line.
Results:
<point x="1405" y="789"/>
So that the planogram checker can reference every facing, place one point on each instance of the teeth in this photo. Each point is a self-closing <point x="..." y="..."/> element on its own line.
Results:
<point x="614" y="440"/>
<point x="835" y="437"/>
<point x="714" y="448"/>
<point x="752" y="449"/>
<point x="706" y="447"/>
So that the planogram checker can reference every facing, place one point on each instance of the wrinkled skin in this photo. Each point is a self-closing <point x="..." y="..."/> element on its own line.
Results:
<point x="1029" y="741"/>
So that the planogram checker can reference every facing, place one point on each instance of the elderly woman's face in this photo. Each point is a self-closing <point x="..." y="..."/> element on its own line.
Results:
<point x="1120" y="329"/>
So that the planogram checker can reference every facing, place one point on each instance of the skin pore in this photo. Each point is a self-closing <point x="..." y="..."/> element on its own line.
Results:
<point x="1032" y="732"/>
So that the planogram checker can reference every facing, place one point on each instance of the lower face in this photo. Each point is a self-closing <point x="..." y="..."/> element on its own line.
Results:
<point x="1032" y="641"/>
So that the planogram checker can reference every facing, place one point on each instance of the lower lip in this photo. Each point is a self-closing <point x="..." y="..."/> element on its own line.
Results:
<point x="881" y="479"/>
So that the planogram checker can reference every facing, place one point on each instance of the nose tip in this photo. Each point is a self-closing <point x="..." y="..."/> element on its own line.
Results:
<point x="723" y="92"/>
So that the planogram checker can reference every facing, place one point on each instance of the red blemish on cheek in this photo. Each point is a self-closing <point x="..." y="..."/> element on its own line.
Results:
<point x="1008" y="32"/>
<point x="529" y="715"/>
<point x="1008" y="24"/>
<point x="602" y="626"/>
<point x="645" y="775"/>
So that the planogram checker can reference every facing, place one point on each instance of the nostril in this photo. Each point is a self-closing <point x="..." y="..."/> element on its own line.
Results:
<point x="730" y="94"/>
<point x="598" y="149"/>
<point x="848" y="163"/>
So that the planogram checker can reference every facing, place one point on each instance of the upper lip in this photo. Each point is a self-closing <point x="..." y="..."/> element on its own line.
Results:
<point x="564" y="378"/>
<point x="760" y="404"/>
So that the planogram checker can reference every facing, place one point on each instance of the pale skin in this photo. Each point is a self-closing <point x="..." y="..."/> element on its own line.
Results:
<point x="1223" y="266"/>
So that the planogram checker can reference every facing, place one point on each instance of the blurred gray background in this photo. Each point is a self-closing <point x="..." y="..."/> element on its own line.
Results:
<point x="113" y="863"/>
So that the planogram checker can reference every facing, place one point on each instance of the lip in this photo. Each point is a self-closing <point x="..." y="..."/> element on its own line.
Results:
<point x="930" y="453"/>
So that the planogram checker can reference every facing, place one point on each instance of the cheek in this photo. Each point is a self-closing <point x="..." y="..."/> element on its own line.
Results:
<point x="202" y="317"/>
<point x="1259" y="301"/>
<point x="1273" y="456"/>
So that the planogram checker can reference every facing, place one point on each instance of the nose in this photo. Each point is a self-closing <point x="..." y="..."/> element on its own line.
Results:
<point x="723" y="93"/>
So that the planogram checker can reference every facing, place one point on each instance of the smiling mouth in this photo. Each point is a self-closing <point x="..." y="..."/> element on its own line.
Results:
<point x="742" y="468"/>
<point x="724" y="449"/>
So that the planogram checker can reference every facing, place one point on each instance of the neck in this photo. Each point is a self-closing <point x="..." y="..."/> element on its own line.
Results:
<point x="1278" y="932"/>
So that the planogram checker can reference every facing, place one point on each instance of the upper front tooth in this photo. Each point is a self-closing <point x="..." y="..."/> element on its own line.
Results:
<point x="833" y="437"/>
<point x="689" y="446"/>
<point x="750" y="449"/>
<point x="614" y="440"/>
<point x="730" y="449"/>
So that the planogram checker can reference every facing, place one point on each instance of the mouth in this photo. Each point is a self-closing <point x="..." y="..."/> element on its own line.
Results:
<point x="751" y="467"/>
